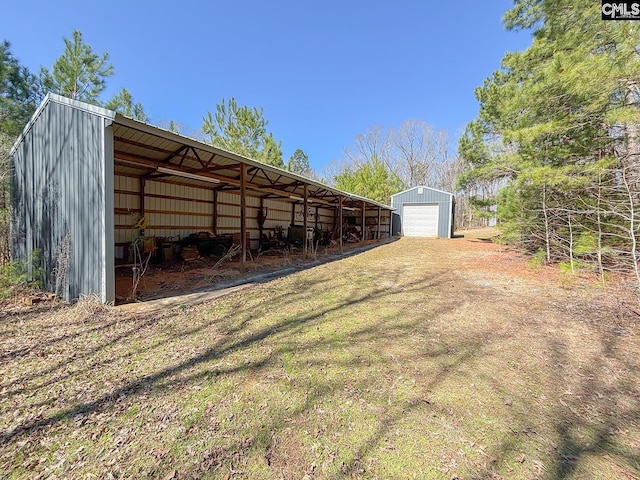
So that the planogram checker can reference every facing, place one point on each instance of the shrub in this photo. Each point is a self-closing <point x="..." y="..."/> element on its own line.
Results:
<point x="27" y="272"/>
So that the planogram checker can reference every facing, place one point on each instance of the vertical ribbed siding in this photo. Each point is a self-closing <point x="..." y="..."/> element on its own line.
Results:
<point x="175" y="211"/>
<point x="428" y="195"/>
<point x="59" y="189"/>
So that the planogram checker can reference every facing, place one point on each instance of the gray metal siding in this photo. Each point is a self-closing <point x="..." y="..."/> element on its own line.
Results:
<point x="428" y="195"/>
<point x="59" y="188"/>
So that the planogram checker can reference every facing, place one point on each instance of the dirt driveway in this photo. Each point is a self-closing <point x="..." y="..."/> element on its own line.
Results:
<point x="422" y="358"/>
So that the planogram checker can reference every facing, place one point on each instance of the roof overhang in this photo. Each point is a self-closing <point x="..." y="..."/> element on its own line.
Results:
<point x="149" y="152"/>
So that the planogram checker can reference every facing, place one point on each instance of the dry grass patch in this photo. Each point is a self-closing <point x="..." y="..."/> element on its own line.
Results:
<point x="418" y="359"/>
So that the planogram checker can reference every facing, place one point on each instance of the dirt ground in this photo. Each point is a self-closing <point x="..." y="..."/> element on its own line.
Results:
<point x="192" y="272"/>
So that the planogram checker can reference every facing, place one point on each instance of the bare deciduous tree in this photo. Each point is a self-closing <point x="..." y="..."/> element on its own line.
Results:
<point x="417" y="150"/>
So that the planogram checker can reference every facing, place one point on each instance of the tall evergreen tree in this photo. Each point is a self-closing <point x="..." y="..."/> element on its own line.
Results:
<point x="18" y="98"/>
<point x="18" y="93"/>
<point x="79" y="73"/>
<point x="123" y="102"/>
<point x="371" y="179"/>
<point x="563" y="115"/>
<point x="242" y="130"/>
<point x="299" y="163"/>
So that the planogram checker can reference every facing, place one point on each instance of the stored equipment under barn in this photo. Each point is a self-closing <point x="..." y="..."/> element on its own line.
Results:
<point x="423" y="212"/>
<point x="89" y="183"/>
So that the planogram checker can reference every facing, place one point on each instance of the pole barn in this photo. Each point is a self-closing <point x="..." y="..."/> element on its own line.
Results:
<point x="87" y="182"/>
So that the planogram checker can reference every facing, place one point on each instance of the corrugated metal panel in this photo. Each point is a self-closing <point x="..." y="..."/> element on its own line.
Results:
<point x="59" y="189"/>
<point x="278" y="214"/>
<point x="126" y="202"/>
<point x="426" y="195"/>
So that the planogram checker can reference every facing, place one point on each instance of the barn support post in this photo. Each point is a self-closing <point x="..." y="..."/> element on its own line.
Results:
<point x="317" y="210"/>
<point x="305" y="243"/>
<point x="243" y="217"/>
<point x="215" y="212"/>
<point x="340" y="222"/>
<point x="261" y="219"/>
<point x="364" y="214"/>
<point x="378" y="229"/>
<point x="143" y="183"/>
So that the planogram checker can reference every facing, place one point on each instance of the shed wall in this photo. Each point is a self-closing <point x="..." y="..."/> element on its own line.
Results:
<point x="58" y="192"/>
<point x="174" y="211"/>
<point x="428" y="195"/>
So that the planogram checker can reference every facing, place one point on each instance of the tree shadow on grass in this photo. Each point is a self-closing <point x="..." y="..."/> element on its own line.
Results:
<point x="599" y="414"/>
<point x="220" y="348"/>
<point x="240" y="334"/>
<point x="243" y="341"/>
<point x="588" y="415"/>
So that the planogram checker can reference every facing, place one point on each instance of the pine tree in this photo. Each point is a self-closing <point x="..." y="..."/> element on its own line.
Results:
<point x="123" y="102"/>
<point x="558" y="125"/>
<point x="18" y="93"/>
<point x="299" y="163"/>
<point x="242" y="130"/>
<point x="371" y="179"/>
<point x="79" y="73"/>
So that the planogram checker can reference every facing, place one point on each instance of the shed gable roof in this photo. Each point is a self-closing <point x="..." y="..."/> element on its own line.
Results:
<point x="421" y="186"/>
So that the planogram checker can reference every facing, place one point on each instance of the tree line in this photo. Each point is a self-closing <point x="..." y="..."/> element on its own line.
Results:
<point x="80" y="73"/>
<point x="558" y="131"/>
<point x="383" y="161"/>
<point x="379" y="163"/>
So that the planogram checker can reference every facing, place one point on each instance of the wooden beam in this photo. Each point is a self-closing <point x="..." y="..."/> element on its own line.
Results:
<point x="364" y="214"/>
<point x="378" y="229"/>
<point x="198" y="157"/>
<point x="340" y="220"/>
<point x="243" y="217"/>
<point x="142" y="184"/>
<point x="151" y="163"/>
<point x="169" y="153"/>
<point x="233" y="166"/>
<point x="261" y="220"/>
<point x="305" y="205"/>
<point x="215" y="211"/>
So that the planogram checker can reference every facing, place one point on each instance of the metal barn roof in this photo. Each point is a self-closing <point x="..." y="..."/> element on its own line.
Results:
<point x="147" y="151"/>
<point x="141" y="149"/>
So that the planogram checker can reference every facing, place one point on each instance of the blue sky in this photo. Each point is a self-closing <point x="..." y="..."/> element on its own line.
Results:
<point x="323" y="72"/>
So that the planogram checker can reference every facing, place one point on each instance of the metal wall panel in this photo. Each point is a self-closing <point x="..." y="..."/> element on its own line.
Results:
<point x="278" y="214"/>
<point x="126" y="202"/>
<point x="426" y="195"/>
<point x="326" y="218"/>
<point x="58" y="189"/>
<point x="185" y="210"/>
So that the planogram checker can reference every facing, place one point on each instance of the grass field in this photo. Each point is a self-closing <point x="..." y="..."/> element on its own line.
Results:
<point x="423" y="358"/>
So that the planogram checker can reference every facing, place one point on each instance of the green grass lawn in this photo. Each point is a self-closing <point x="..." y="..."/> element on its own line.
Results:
<point x="419" y="359"/>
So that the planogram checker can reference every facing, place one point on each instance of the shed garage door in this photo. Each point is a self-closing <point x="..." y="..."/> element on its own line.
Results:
<point x="420" y="220"/>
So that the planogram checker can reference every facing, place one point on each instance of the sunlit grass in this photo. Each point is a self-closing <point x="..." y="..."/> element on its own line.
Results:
<point x="389" y="364"/>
